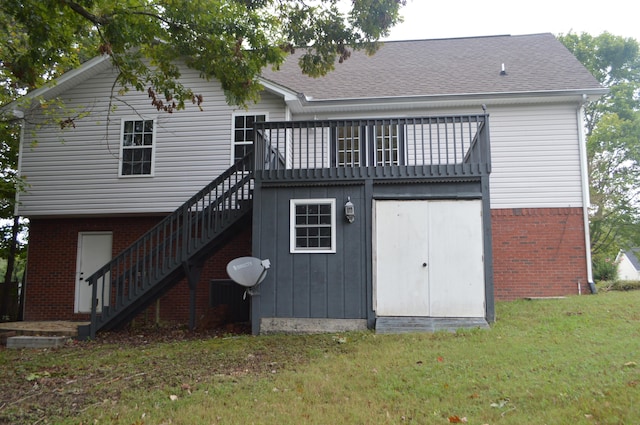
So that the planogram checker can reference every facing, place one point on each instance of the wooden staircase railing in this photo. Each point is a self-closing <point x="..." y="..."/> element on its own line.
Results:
<point x="173" y="249"/>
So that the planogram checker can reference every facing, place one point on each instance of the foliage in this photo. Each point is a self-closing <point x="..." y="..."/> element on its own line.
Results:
<point x="230" y="40"/>
<point x="619" y="285"/>
<point x="566" y="361"/>
<point x="604" y="268"/>
<point x="613" y="139"/>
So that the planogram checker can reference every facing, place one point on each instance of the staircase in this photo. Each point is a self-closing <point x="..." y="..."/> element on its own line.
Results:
<point x="174" y="249"/>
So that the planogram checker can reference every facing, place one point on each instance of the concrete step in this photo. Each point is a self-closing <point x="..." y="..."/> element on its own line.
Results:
<point x="30" y="341"/>
<point x="397" y="325"/>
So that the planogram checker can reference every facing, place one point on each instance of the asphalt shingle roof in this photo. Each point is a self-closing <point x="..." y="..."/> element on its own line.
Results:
<point x="533" y="63"/>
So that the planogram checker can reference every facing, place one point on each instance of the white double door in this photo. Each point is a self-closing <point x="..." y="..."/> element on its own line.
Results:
<point x="428" y="258"/>
<point x="94" y="251"/>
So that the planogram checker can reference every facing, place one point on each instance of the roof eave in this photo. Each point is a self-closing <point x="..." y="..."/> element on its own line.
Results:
<point x="57" y="86"/>
<point x="303" y="104"/>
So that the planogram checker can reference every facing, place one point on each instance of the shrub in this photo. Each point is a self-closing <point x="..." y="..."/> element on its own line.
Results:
<point x="604" y="268"/>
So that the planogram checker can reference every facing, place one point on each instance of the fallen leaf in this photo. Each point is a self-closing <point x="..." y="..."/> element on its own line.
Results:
<point x="631" y="364"/>
<point x="173" y="397"/>
<point x="440" y="359"/>
<point x="455" y="419"/>
<point x="500" y="403"/>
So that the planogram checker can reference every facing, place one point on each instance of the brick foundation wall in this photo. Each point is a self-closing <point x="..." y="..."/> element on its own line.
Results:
<point x="538" y="252"/>
<point x="51" y="267"/>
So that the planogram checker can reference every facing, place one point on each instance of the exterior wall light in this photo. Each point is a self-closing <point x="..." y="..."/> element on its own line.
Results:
<point x="349" y="210"/>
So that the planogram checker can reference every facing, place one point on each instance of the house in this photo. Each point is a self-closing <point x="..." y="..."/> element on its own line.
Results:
<point x="463" y="161"/>
<point x="628" y="264"/>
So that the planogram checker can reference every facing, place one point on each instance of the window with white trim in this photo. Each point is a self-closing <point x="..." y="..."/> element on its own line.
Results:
<point x="355" y="144"/>
<point x="313" y="225"/>
<point x="137" y="147"/>
<point x="243" y="130"/>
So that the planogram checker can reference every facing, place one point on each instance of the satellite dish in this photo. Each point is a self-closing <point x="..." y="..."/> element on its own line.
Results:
<point x="248" y="271"/>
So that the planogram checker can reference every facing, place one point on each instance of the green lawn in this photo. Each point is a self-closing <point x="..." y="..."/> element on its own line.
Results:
<point x="567" y="361"/>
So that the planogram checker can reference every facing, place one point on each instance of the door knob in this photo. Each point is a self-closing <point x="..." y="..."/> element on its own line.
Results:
<point x="424" y="264"/>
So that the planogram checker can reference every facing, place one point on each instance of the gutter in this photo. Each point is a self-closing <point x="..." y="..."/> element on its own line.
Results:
<point x="585" y="193"/>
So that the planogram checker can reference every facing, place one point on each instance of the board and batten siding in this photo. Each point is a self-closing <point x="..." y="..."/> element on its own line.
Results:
<point x="535" y="151"/>
<point x="75" y="171"/>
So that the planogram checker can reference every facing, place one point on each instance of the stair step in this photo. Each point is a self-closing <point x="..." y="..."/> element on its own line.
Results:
<point x="28" y="341"/>
<point x="398" y="325"/>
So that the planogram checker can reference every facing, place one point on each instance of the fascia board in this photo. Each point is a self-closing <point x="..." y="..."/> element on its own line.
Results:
<point x="57" y="86"/>
<point x="306" y="105"/>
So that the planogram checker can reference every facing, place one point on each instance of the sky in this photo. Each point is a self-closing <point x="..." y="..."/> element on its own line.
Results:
<point x="424" y="19"/>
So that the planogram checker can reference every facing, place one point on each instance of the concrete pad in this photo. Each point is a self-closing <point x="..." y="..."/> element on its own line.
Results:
<point x="26" y="341"/>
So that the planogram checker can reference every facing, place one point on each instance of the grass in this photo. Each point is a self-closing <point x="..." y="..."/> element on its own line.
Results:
<point x="565" y="361"/>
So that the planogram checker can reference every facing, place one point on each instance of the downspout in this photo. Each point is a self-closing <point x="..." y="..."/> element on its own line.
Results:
<point x="585" y="192"/>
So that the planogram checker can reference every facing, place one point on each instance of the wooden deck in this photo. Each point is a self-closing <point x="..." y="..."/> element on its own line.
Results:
<point x="44" y="328"/>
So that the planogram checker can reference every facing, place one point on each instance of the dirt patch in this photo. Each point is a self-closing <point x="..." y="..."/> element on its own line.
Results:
<point x="40" y="386"/>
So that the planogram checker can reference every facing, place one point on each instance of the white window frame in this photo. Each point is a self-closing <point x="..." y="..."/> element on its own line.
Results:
<point x="232" y="157"/>
<point x="293" y="203"/>
<point x="122" y="147"/>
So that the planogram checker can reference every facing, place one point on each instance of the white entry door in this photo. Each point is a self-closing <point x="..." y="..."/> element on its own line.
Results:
<point x="94" y="251"/>
<point x="428" y="258"/>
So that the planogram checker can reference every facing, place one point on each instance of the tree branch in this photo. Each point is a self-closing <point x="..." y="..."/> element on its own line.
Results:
<point x="96" y="20"/>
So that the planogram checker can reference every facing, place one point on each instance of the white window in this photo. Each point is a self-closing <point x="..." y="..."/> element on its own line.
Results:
<point x="355" y="144"/>
<point x="137" y="145"/>
<point x="243" y="133"/>
<point x="313" y="225"/>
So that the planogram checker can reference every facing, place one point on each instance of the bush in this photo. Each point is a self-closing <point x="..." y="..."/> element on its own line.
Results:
<point x="604" y="268"/>
<point x="619" y="285"/>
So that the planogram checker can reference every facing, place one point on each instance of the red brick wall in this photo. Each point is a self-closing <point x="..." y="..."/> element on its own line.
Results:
<point x="51" y="268"/>
<point x="538" y="252"/>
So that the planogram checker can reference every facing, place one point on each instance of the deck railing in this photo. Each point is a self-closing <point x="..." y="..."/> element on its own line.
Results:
<point x="449" y="144"/>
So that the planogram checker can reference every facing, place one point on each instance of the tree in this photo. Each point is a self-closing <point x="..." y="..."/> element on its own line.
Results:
<point x="149" y="40"/>
<point x="613" y="140"/>
<point x="230" y="40"/>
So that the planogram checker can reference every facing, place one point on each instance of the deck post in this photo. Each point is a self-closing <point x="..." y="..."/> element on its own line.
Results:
<point x="192" y="271"/>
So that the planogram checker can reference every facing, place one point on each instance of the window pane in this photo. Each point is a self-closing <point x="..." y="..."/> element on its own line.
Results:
<point x="239" y="136"/>
<point x="148" y="126"/>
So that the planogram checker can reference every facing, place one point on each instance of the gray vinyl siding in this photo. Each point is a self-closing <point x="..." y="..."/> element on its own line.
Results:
<point x="535" y="153"/>
<point x="75" y="171"/>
